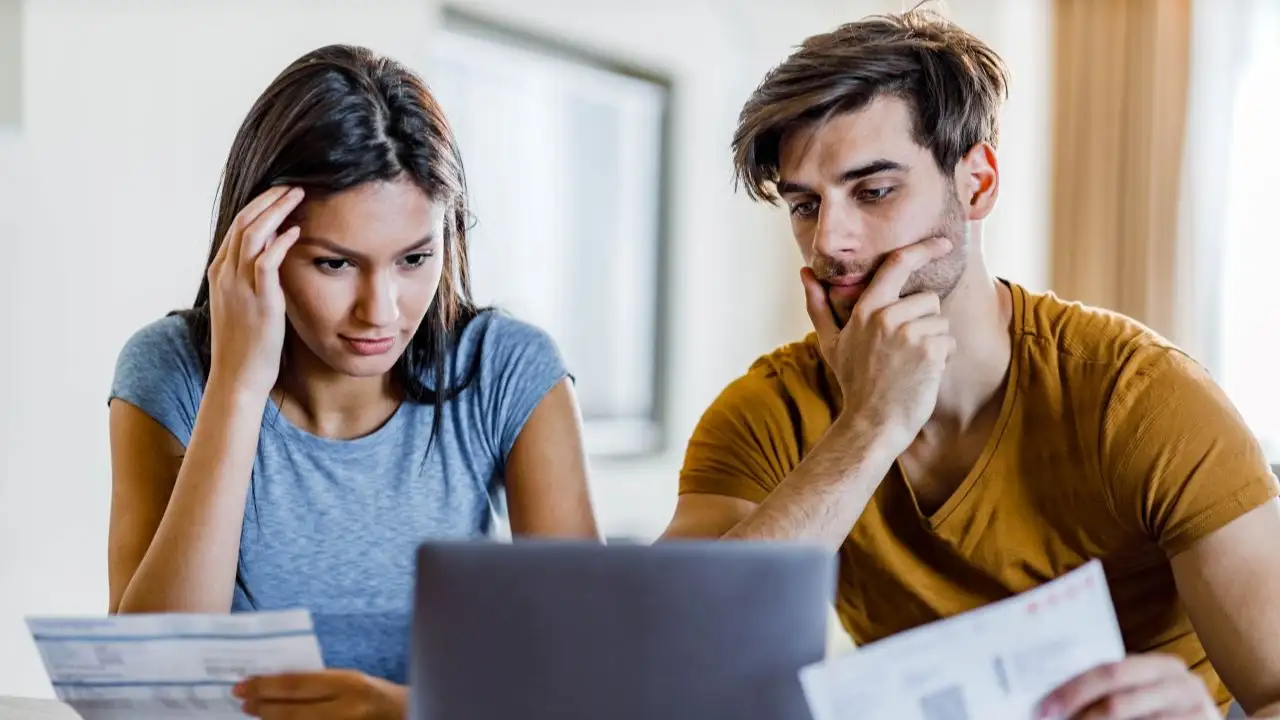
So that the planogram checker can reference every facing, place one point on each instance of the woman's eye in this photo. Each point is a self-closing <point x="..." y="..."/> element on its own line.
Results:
<point x="417" y="259"/>
<point x="332" y="264"/>
<point x="874" y="194"/>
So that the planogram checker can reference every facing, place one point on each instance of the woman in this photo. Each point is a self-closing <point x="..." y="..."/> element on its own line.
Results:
<point x="333" y="398"/>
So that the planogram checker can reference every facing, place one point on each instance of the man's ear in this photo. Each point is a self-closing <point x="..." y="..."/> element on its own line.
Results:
<point x="977" y="179"/>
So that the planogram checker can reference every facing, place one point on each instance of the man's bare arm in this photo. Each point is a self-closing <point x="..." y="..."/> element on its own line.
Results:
<point x="1230" y="582"/>
<point x="819" y="502"/>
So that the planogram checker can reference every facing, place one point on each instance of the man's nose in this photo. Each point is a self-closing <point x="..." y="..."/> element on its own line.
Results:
<point x="838" y="233"/>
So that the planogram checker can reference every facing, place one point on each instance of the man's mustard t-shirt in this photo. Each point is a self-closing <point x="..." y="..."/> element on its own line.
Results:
<point x="1110" y="444"/>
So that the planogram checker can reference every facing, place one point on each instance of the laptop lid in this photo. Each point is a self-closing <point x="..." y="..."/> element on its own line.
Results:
<point x="546" y="630"/>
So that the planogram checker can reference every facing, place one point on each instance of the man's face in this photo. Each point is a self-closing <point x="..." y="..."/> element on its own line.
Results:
<point x="859" y="187"/>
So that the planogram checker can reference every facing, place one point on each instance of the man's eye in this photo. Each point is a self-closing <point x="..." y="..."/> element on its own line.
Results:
<point x="874" y="194"/>
<point x="332" y="264"/>
<point x="804" y="209"/>
<point x="417" y="259"/>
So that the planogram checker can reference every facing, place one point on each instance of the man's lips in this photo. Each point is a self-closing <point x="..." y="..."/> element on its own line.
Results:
<point x="847" y="287"/>
<point x="847" y="280"/>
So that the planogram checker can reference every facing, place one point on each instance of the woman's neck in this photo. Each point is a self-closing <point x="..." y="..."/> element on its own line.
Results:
<point x="323" y="402"/>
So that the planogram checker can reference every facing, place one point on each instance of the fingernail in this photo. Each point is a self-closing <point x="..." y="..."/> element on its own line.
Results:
<point x="238" y="689"/>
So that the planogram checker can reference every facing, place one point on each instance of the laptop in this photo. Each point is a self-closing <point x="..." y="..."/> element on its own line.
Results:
<point x="559" y="630"/>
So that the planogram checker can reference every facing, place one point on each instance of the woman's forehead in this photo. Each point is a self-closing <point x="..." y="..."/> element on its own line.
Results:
<point x="374" y="218"/>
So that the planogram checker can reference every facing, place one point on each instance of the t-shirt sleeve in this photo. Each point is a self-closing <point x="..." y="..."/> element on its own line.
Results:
<point x="158" y="372"/>
<point x="1178" y="458"/>
<point x="520" y="363"/>
<point x="745" y="443"/>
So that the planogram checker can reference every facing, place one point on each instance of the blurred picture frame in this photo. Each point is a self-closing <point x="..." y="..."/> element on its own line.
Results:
<point x="566" y="155"/>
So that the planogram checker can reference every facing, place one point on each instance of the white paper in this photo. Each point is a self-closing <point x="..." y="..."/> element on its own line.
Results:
<point x="146" y="667"/>
<point x="993" y="663"/>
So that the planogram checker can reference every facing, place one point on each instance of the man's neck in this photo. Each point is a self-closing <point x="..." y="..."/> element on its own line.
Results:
<point x="980" y="310"/>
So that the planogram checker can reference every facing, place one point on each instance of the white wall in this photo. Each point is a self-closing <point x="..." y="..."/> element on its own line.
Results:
<point x="129" y="109"/>
<point x="10" y="56"/>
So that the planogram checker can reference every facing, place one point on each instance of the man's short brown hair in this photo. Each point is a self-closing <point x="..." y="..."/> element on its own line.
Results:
<point x="953" y="82"/>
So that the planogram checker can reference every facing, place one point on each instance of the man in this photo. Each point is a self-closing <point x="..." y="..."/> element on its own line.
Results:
<point x="958" y="438"/>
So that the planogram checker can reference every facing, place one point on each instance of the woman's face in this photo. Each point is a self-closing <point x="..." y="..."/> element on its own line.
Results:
<point x="363" y="274"/>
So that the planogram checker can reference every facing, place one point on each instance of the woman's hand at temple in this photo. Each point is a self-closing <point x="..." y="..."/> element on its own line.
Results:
<point x="246" y="302"/>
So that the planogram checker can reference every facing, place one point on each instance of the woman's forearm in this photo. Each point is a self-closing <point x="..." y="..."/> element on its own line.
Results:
<point x="190" y="565"/>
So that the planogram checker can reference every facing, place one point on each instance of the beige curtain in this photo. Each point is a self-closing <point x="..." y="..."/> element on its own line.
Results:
<point x="1120" y="107"/>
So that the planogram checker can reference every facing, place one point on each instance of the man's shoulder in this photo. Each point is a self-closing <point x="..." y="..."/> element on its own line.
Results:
<point x="795" y="370"/>
<point x="802" y="358"/>
<point x="1086" y="334"/>
<point x="787" y="385"/>
<point x="760" y="424"/>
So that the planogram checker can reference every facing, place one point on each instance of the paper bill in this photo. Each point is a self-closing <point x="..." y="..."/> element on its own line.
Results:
<point x="147" y="667"/>
<point x="993" y="663"/>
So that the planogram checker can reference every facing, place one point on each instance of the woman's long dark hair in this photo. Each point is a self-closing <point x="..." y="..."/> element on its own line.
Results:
<point x="336" y="118"/>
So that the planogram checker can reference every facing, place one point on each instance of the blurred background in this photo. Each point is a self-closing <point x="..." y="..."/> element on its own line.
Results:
<point x="1138" y="152"/>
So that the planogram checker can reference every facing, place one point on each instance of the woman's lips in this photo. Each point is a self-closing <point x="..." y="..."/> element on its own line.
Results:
<point x="370" y="346"/>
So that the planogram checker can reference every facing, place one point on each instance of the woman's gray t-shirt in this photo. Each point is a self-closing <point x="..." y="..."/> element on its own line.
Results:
<point x="333" y="525"/>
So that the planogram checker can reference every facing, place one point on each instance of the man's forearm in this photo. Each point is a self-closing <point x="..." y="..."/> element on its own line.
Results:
<point x="825" y="495"/>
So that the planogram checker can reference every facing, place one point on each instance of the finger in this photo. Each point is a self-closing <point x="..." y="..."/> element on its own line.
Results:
<point x="267" y="266"/>
<point x="887" y="283"/>
<point x="258" y="233"/>
<point x="1159" y="700"/>
<point x="909" y="308"/>
<point x="289" y="710"/>
<point x="290" y="687"/>
<point x="942" y="345"/>
<point x="926" y="327"/>
<point x="259" y="204"/>
<point x="816" y="302"/>
<point x="230" y="250"/>
<point x="1089" y="687"/>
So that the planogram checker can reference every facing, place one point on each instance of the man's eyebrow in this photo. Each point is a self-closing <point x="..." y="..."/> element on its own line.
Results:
<point x="787" y="187"/>
<point x="339" y="249"/>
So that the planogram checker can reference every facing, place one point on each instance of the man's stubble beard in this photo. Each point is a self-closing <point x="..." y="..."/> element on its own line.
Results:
<point x="943" y="275"/>
<point x="940" y="276"/>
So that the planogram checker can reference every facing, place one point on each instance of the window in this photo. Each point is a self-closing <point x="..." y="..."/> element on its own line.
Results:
<point x="1249" y="304"/>
<point x="564" y="160"/>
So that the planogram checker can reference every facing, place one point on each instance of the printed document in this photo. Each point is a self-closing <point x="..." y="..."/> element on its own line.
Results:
<point x="993" y="663"/>
<point x="148" y="667"/>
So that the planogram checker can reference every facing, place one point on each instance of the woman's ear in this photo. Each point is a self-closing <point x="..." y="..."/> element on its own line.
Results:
<point x="977" y="178"/>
